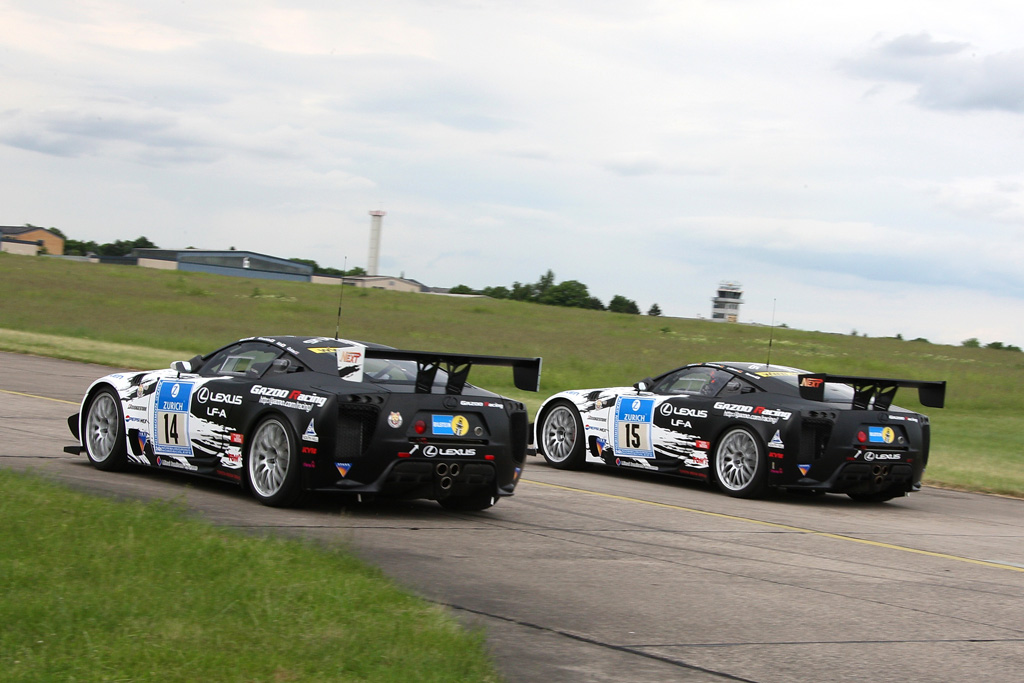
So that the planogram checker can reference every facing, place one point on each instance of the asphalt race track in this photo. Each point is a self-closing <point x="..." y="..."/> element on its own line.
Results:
<point x="597" y="576"/>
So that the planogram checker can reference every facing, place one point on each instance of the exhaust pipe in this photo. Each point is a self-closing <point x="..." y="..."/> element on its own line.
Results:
<point x="446" y="483"/>
<point x="441" y="469"/>
<point x="454" y="470"/>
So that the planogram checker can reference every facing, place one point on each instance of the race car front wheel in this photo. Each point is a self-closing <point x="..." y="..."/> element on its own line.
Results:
<point x="272" y="464"/>
<point x="741" y="466"/>
<point x="104" y="434"/>
<point x="562" y="437"/>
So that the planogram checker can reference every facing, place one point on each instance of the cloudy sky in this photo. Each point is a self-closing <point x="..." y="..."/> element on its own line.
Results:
<point x="855" y="165"/>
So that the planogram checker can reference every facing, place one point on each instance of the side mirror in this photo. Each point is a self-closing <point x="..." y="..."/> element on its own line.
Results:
<point x="187" y="366"/>
<point x="644" y="384"/>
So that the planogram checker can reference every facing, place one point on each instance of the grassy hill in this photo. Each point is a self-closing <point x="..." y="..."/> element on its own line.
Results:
<point x="136" y="317"/>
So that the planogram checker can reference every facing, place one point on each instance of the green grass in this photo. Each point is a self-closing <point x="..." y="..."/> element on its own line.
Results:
<point x="98" y="590"/>
<point x="165" y="315"/>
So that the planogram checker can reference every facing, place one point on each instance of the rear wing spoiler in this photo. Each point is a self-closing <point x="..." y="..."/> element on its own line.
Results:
<point x="352" y="357"/>
<point x="931" y="394"/>
<point x="525" y="371"/>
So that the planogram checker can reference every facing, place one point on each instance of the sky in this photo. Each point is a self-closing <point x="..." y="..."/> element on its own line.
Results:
<point x="854" y="166"/>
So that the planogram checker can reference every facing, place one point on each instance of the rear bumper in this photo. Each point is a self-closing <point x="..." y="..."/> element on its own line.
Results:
<point x="428" y="479"/>
<point x="864" y="478"/>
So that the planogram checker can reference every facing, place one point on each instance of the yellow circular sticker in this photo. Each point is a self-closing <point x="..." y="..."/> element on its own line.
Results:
<point x="460" y="425"/>
<point x="888" y="435"/>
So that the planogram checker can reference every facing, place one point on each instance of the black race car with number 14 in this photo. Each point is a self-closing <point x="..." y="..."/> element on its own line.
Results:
<point x="747" y="428"/>
<point x="285" y="415"/>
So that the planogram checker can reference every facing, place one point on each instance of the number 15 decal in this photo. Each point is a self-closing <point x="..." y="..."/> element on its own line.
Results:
<point x="633" y="417"/>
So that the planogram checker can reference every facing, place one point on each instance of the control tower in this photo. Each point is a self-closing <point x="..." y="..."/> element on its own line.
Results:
<point x="726" y="306"/>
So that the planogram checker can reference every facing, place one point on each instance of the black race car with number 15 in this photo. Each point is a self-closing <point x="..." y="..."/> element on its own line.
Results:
<point x="747" y="428"/>
<point x="285" y="415"/>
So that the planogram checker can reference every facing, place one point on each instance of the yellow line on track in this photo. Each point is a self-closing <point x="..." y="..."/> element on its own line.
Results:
<point x="786" y="527"/>
<point x="45" y="398"/>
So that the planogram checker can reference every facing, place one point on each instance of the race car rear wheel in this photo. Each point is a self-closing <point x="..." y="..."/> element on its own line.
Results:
<point x="741" y="466"/>
<point x="104" y="434"/>
<point x="272" y="464"/>
<point x="562" y="436"/>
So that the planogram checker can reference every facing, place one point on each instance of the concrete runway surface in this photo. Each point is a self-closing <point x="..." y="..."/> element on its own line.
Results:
<point x="619" y="576"/>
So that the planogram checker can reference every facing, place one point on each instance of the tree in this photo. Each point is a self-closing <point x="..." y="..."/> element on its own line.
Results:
<point x="572" y="293"/>
<point x="620" y="304"/>
<point x="496" y="292"/>
<point x="521" y="292"/>
<point x="655" y="309"/>
<point x="324" y="270"/>
<point x="994" y="345"/>
<point x="546" y="282"/>
<point x="461" y="289"/>
<point x="971" y="343"/>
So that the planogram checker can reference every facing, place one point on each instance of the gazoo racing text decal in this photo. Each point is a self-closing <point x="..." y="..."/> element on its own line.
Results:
<point x="170" y="418"/>
<point x="758" y="413"/>
<point x="288" y="398"/>
<point x="633" y="418"/>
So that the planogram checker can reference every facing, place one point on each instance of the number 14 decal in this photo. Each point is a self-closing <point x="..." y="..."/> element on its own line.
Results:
<point x="170" y="425"/>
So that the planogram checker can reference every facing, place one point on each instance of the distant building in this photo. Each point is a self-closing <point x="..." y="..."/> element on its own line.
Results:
<point x="29" y="240"/>
<point x="251" y="264"/>
<point x="726" y="306"/>
<point x="394" y="284"/>
<point x="237" y="263"/>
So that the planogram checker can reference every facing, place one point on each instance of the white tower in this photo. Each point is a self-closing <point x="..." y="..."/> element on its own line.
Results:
<point x="726" y="306"/>
<point x="376" y="218"/>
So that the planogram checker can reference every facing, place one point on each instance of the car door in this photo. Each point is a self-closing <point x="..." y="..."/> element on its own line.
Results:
<point x="218" y="403"/>
<point x="683" y="424"/>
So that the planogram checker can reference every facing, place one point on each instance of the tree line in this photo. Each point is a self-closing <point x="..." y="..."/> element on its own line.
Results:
<point x="74" y="247"/>
<point x="569" y="293"/>
<point x="84" y="248"/>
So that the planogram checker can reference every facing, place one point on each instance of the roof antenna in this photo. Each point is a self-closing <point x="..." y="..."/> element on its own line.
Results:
<point x="341" y="295"/>
<point x="771" y="333"/>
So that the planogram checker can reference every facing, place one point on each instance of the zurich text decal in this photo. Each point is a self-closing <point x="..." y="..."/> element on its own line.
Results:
<point x="633" y="418"/>
<point x="170" y="418"/>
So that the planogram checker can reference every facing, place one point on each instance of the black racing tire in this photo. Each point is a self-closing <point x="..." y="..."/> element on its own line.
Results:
<point x="740" y="463"/>
<point x="561" y="437"/>
<point x="272" y="467"/>
<point x="103" y="431"/>
<point x="469" y="503"/>
<point x="876" y="497"/>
